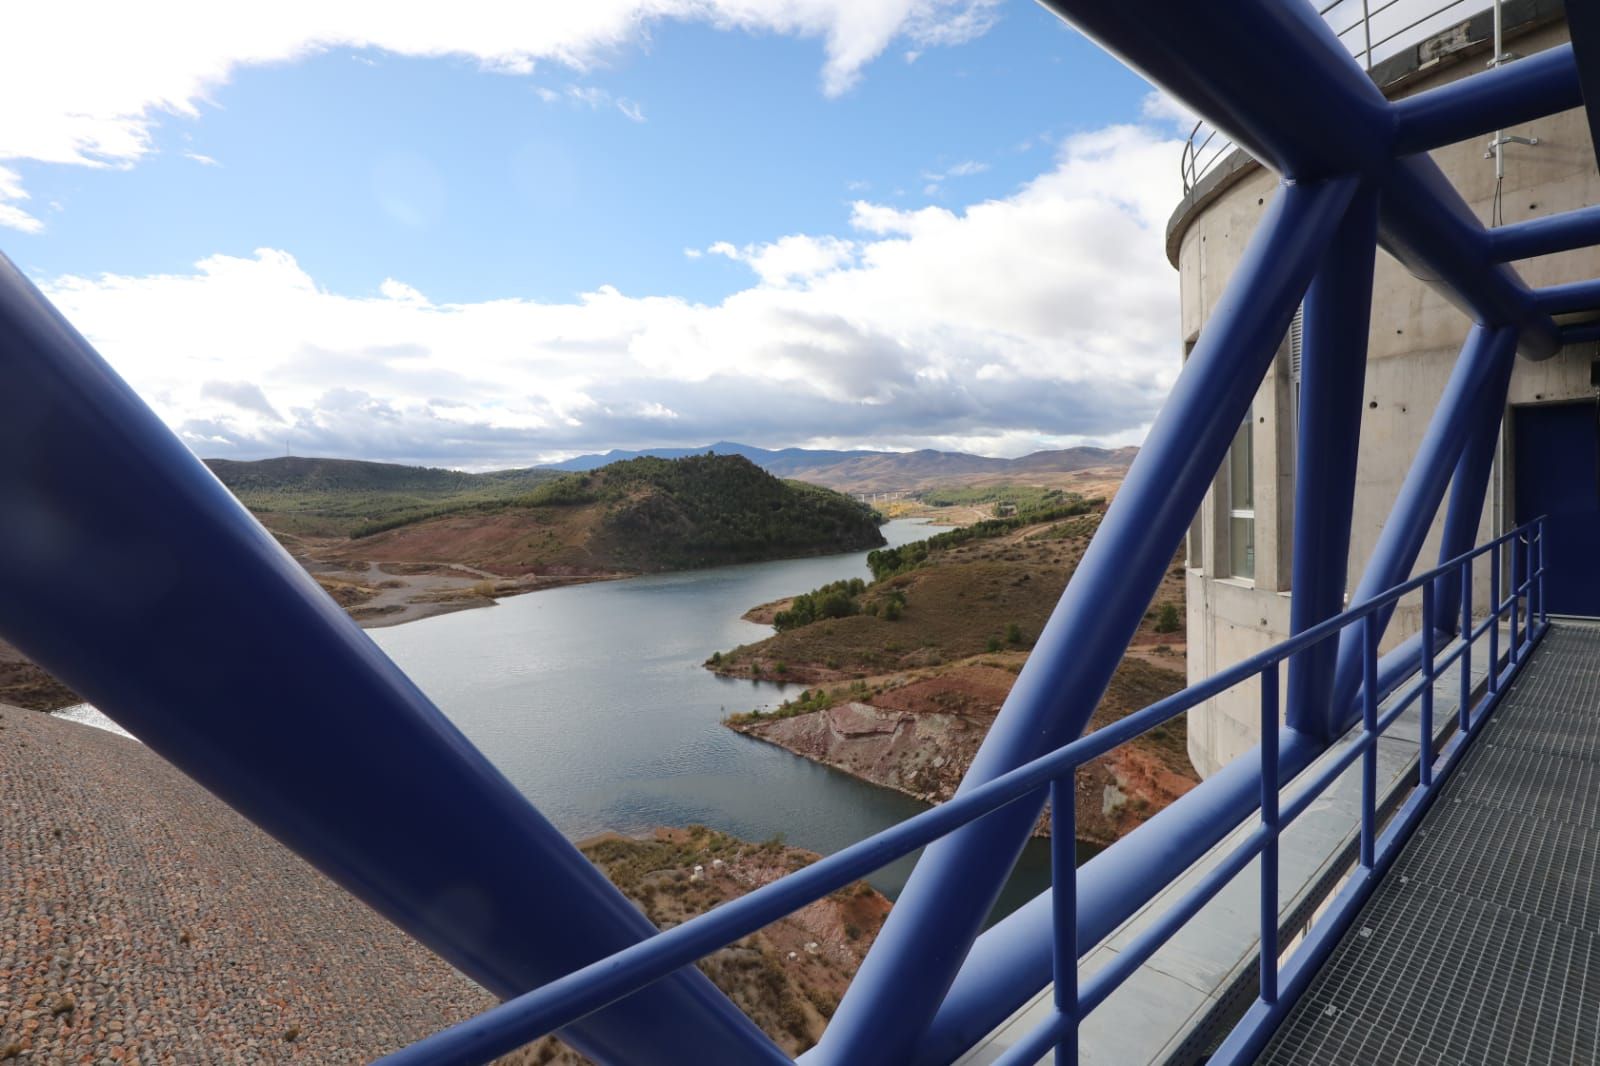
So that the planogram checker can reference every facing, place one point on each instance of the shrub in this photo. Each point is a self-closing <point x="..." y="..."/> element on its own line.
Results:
<point x="1013" y="634"/>
<point x="837" y="599"/>
<point x="994" y="644"/>
<point x="1167" y="620"/>
<point x="891" y="611"/>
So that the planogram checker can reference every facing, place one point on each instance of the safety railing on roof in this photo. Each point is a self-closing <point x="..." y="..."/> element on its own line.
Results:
<point x="1371" y="30"/>
<point x="570" y="998"/>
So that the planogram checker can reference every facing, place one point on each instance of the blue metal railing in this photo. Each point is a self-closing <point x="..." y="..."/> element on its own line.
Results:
<point x="1371" y="30"/>
<point x="582" y="992"/>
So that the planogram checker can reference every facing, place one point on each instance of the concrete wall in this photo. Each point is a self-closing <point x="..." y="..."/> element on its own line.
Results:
<point x="1414" y="340"/>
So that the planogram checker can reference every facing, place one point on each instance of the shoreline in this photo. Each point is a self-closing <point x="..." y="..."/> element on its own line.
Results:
<point x="916" y="732"/>
<point x="1041" y="829"/>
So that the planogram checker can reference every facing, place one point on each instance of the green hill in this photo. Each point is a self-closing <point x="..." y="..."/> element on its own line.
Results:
<point x="335" y="497"/>
<point x="637" y="515"/>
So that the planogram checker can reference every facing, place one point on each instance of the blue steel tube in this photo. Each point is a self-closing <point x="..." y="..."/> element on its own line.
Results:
<point x="1481" y="368"/>
<point x="958" y="879"/>
<point x="1333" y="365"/>
<point x="1508" y="95"/>
<point x="1274" y="77"/>
<point x="127" y="570"/>
<point x="1271" y="75"/>
<point x="1468" y="487"/>
<point x="1569" y="297"/>
<point x="1587" y="333"/>
<point x="1561" y="232"/>
<point x="1426" y="225"/>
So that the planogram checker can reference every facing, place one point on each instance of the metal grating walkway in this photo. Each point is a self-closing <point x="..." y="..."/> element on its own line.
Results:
<point x="1482" y="944"/>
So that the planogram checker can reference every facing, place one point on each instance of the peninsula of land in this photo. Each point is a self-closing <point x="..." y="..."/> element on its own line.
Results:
<point x="906" y="673"/>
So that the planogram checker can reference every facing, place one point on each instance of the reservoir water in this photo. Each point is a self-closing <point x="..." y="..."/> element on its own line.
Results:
<point x="593" y="701"/>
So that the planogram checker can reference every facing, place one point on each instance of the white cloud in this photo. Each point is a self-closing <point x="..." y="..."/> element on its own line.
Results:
<point x="203" y="160"/>
<point x="935" y="179"/>
<point x="1043" y="318"/>
<point x="791" y="259"/>
<point x="11" y="193"/>
<point x="593" y="97"/>
<point x="92" y="98"/>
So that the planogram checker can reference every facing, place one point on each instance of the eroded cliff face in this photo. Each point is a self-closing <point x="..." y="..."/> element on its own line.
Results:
<point x="920" y="754"/>
<point x="918" y="734"/>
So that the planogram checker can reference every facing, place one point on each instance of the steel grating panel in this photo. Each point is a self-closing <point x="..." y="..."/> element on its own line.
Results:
<point x="1534" y="866"/>
<point x="1533" y="783"/>
<point x="1482" y="945"/>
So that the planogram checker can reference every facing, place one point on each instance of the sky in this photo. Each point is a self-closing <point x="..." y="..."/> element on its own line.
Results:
<point x="481" y="235"/>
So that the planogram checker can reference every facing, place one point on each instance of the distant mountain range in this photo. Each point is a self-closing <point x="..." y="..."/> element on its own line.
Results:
<point x="873" y="471"/>
<point x="783" y="462"/>
<point x="333" y="496"/>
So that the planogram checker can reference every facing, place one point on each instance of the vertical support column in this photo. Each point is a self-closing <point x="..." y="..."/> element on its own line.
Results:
<point x="1482" y="367"/>
<point x="933" y="925"/>
<point x="1333" y="364"/>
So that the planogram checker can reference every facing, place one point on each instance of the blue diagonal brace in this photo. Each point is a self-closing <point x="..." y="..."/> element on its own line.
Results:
<point x="1482" y="371"/>
<point x="958" y="879"/>
<point x="1469" y="486"/>
<point x="131" y="574"/>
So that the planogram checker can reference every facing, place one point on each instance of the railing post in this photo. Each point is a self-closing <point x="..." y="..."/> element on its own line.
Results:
<point x="1425" y="757"/>
<point x="1466" y="652"/>
<point x="1369" y="733"/>
<point x="1528" y="582"/>
<point x="1064" y="910"/>
<point x="1494" y="620"/>
<point x="1514" y="652"/>
<point x="1544" y="616"/>
<point x="1269" y="820"/>
<point x="1366" y="26"/>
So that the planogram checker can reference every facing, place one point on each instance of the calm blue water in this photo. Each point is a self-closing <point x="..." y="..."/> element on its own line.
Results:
<point x="593" y="701"/>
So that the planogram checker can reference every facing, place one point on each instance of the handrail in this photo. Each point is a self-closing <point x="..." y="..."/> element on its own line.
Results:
<point x="568" y="999"/>
<point x="1197" y="159"/>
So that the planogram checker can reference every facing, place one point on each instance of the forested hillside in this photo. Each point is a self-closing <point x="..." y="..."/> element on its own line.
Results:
<point x="335" y="497"/>
<point x="639" y="515"/>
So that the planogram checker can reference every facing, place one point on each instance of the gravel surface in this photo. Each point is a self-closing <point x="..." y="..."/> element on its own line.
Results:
<point x="143" y="921"/>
